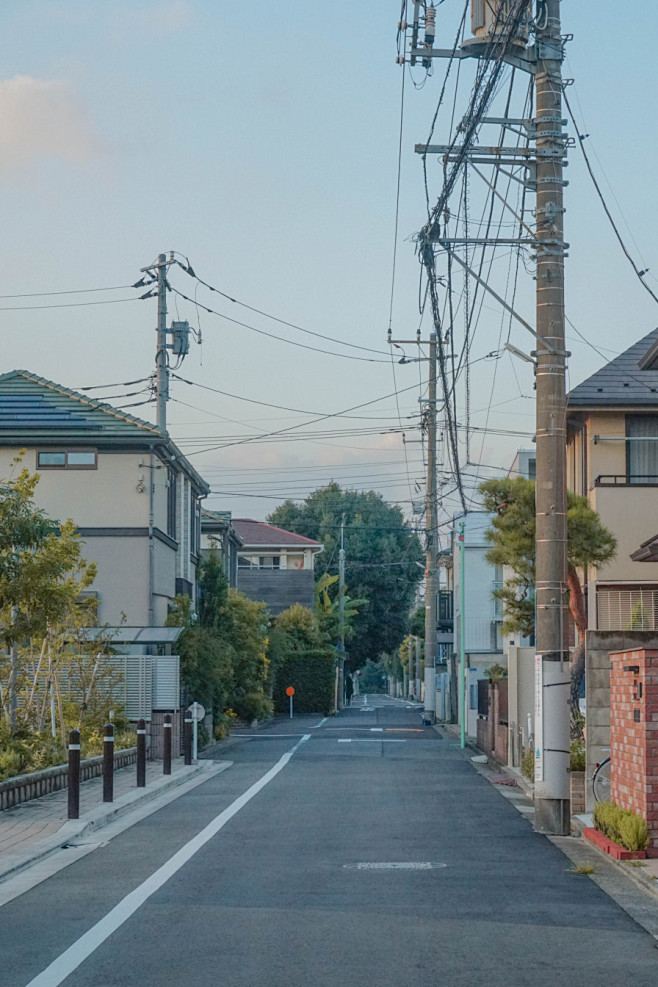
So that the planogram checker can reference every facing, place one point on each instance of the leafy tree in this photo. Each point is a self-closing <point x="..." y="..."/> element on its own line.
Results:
<point x="42" y="574"/>
<point x="222" y="647"/>
<point x="381" y="556"/>
<point x="512" y="539"/>
<point x="300" y="657"/>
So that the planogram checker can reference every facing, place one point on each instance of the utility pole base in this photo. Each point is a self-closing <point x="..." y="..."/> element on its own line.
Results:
<point x="553" y="817"/>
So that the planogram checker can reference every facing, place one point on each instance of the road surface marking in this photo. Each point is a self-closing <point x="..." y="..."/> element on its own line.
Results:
<point x="395" y="865"/>
<point x="266" y="736"/>
<point x="368" y="740"/>
<point x="318" y="725"/>
<point x="376" y="729"/>
<point x="62" y="967"/>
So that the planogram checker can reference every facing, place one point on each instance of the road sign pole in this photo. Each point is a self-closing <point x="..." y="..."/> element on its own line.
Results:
<point x="291" y="707"/>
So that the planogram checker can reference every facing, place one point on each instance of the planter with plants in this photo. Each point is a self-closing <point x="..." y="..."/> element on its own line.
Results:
<point x="620" y="832"/>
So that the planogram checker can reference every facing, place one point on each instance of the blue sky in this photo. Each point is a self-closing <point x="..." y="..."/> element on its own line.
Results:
<point x="261" y="141"/>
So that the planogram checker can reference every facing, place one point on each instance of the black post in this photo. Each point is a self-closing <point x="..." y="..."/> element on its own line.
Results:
<point x="187" y="737"/>
<point x="108" y="762"/>
<point x="74" y="774"/>
<point x="166" y="740"/>
<point x="141" y="754"/>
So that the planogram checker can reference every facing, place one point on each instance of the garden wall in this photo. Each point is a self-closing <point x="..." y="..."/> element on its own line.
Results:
<point x="22" y="788"/>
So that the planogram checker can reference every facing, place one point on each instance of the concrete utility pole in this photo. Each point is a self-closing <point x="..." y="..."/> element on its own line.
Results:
<point x="552" y="677"/>
<point x="341" y="614"/>
<point x="462" y="633"/>
<point x="419" y="669"/>
<point x="431" y="541"/>
<point x="161" y="360"/>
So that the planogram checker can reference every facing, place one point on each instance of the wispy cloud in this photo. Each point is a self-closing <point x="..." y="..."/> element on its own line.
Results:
<point x="40" y="119"/>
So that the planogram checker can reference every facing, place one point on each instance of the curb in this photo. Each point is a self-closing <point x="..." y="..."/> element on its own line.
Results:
<point x="634" y="873"/>
<point x="97" y="818"/>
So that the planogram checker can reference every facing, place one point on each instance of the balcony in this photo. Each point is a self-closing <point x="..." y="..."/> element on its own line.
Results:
<point x="624" y="480"/>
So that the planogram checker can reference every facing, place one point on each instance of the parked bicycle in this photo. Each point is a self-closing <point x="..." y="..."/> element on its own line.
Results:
<point x="601" y="781"/>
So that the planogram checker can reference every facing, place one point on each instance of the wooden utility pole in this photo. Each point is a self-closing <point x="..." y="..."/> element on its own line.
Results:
<point x="552" y="669"/>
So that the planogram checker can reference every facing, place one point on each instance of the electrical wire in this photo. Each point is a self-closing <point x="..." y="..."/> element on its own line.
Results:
<point x="32" y="308"/>
<point x="73" y="291"/>
<point x="271" y="335"/>
<point x="581" y="141"/>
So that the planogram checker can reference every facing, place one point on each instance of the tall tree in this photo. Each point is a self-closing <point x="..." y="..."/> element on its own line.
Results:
<point x="381" y="557"/>
<point x="512" y="539"/>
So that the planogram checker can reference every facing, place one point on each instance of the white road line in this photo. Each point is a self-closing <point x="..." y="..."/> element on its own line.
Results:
<point x="82" y="948"/>
<point x="367" y="740"/>
<point x="376" y="729"/>
<point x="318" y="725"/>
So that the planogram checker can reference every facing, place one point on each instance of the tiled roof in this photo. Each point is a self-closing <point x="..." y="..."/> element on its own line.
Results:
<point x="259" y="533"/>
<point x="620" y="383"/>
<point x="34" y="409"/>
<point x="28" y="401"/>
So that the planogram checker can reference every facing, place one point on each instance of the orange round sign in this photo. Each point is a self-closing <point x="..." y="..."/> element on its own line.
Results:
<point x="290" y="691"/>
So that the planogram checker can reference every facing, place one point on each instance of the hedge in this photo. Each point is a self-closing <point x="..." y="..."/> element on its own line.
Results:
<point x="312" y="674"/>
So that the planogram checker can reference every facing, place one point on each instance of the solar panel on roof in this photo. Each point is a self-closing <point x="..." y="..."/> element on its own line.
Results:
<point x="32" y="411"/>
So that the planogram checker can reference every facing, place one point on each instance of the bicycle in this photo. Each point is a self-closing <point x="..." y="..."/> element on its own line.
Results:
<point x="601" y="781"/>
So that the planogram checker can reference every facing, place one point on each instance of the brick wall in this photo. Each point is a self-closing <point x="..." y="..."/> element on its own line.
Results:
<point x="634" y="735"/>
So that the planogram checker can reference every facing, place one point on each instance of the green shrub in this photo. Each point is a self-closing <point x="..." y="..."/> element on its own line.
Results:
<point x="577" y="756"/>
<point x="623" y="826"/>
<point x="528" y="764"/>
<point x="254" y="706"/>
<point x="312" y="673"/>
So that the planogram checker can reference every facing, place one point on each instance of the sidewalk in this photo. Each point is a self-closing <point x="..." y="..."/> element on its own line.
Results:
<point x="32" y="830"/>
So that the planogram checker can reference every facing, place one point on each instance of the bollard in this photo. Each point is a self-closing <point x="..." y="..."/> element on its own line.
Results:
<point x="108" y="762"/>
<point x="141" y="754"/>
<point x="187" y="737"/>
<point x="74" y="774"/>
<point x="166" y="740"/>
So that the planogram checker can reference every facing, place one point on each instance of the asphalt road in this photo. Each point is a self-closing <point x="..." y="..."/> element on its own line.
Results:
<point x="276" y="872"/>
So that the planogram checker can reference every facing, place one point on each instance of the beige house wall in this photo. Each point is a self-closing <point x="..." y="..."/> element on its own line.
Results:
<point x="521" y="700"/>
<point x="116" y="494"/>
<point x="631" y="513"/>
<point x="122" y="583"/>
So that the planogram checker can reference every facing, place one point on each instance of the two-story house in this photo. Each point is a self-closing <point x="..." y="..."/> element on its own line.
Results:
<point x="217" y="532"/>
<point x="133" y="495"/>
<point x="275" y="565"/>
<point x="612" y="459"/>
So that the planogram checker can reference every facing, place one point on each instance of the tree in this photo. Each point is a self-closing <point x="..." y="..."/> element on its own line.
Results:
<point x="222" y="647"/>
<point x="381" y="551"/>
<point x="42" y="574"/>
<point x="512" y="539"/>
<point x="300" y="657"/>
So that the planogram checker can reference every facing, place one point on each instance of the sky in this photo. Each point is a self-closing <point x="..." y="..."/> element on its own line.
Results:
<point x="261" y="142"/>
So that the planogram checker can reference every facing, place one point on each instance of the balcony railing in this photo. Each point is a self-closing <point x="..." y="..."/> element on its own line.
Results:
<point x="624" y="480"/>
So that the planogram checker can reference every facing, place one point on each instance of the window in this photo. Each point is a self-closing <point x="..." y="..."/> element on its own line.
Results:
<point x="67" y="459"/>
<point x="642" y="457"/>
<point x="269" y="562"/>
<point x="532" y="469"/>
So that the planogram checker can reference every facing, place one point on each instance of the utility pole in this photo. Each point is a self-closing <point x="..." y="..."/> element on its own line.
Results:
<point x="341" y="609"/>
<point x="552" y="669"/>
<point x="161" y="359"/>
<point x="431" y="541"/>
<point x="419" y="669"/>
<point x="462" y="632"/>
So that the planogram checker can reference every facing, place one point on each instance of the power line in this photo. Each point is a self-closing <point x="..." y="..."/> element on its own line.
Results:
<point x="32" y="308"/>
<point x="271" y="335"/>
<point x="73" y="291"/>
<point x="258" y="311"/>
<point x="581" y="141"/>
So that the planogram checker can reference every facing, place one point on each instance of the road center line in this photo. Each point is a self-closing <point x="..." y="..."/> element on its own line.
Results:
<point x="82" y="948"/>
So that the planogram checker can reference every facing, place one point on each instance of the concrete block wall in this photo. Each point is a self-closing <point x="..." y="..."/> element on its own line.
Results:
<point x="634" y="735"/>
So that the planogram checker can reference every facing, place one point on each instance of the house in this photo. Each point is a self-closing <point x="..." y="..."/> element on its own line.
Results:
<point x="275" y="565"/>
<point x="612" y="459"/>
<point x="483" y="616"/>
<point x="133" y="495"/>
<point x="217" y="531"/>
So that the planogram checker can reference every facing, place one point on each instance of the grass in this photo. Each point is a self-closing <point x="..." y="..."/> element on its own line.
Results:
<point x="582" y="869"/>
<point x="636" y="863"/>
